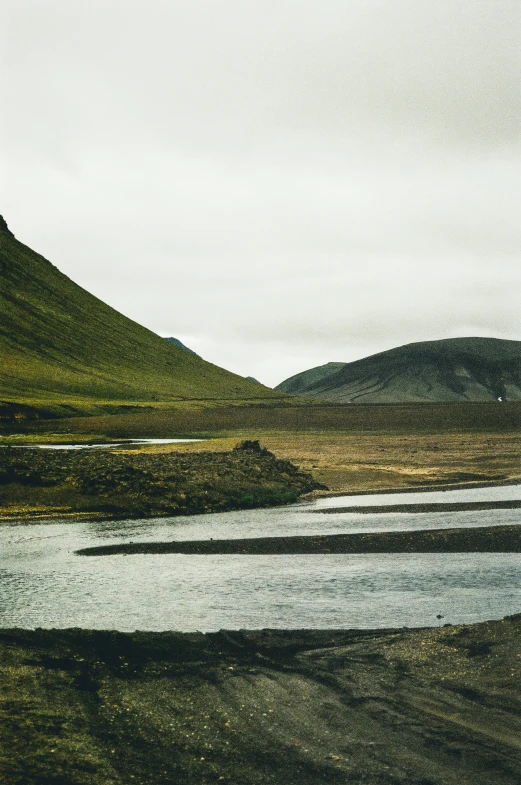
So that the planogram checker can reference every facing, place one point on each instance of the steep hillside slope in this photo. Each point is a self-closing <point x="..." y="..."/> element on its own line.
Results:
<point x="455" y="369"/>
<point x="60" y="343"/>
<point x="180" y="345"/>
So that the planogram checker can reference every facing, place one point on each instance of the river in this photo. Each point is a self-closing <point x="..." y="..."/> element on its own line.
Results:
<point x="43" y="583"/>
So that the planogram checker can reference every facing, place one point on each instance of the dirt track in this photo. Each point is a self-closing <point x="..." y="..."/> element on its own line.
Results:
<point x="429" y="707"/>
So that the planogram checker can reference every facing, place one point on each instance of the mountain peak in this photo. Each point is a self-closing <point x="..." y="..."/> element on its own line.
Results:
<point x="4" y="227"/>
<point x="180" y="345"/>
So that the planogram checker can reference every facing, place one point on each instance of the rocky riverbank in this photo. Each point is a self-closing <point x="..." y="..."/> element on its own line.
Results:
<point x="400" y="707"/>
<point x="490" y="539"/>
<point x="112" y="483"/>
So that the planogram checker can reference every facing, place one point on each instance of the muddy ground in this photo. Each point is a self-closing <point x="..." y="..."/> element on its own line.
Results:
<point x="430" y="707"/>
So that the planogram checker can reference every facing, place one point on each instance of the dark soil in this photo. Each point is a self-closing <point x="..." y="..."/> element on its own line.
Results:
<point x="144" y="484"/>
<point x="505" y="504"/>
<point x="406" y="418"/>
<point x="492" y="539"/>
<point x="402" y="707"/>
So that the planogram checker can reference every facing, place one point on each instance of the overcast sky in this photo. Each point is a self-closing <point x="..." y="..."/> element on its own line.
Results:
<point x="278" y="183"/>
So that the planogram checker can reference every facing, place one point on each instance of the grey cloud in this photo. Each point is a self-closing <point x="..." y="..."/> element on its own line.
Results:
<point x="276" y="182"/>
<point x="449" y="69"/>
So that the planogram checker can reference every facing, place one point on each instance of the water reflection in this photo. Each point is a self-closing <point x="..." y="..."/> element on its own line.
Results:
<point x="104" y="445"/>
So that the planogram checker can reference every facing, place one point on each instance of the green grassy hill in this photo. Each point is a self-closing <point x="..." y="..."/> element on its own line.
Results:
<point x="60" y="344"/>
<point x="455" y="369"/>
<point x="180" y="345"/>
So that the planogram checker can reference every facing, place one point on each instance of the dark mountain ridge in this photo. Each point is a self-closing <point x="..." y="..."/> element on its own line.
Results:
<point x="449" y="370"/>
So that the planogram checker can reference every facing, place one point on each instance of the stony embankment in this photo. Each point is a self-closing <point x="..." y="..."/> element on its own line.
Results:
<point x="490" y="539"/>
<point x="373" y="509"/>
<point x="49" y="482"/>
<point x="399" y="707"/>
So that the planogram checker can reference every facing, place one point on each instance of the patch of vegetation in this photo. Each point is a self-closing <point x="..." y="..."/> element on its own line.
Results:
<point x="351" y="449"/>
<point x="142" y="484"/>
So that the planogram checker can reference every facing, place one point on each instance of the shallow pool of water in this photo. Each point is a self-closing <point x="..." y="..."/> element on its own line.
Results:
<point x="104" y="445"/>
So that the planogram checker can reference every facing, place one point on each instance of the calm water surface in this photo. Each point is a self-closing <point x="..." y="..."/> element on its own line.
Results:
<point x="43" y="583"/>
<point x="103" y="445"/>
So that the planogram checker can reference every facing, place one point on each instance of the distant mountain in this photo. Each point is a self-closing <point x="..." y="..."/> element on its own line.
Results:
<point x="455" y="369"/>
<point x="302" y="382"/>
<point x="60" y="344"/>
<point x="180" y="345"/>
<point x="177" y="342"/>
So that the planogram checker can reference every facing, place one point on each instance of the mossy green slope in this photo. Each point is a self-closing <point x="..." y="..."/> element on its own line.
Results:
<point x="60" y="343"/>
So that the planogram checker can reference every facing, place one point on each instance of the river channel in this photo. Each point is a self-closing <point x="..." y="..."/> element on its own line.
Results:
<point x="43" y="583"/>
